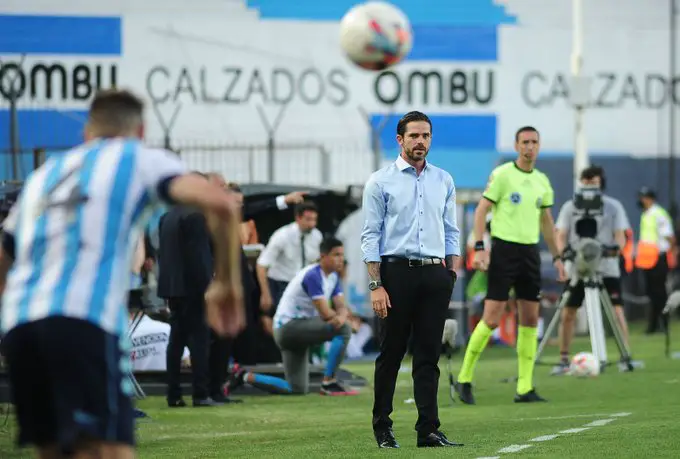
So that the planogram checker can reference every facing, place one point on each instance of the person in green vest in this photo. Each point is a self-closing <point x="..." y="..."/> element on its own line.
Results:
<point x="521" y="197"/>
<point x="656" y="242"/>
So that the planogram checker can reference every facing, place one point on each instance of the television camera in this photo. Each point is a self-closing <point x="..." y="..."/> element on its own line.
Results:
<point x="585" y="257"/>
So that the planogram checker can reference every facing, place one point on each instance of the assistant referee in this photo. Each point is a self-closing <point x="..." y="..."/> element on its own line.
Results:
<point x="521" y="197"/>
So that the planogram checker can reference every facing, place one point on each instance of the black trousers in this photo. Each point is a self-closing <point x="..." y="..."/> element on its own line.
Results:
<point x="220" y="352"/>
<point x="420" y="299"/>
<point x="655" y="285"/>
<point x="188" y="328"/>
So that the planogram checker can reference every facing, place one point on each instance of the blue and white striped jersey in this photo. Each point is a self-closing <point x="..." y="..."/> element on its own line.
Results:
<point x="76" y="225"/>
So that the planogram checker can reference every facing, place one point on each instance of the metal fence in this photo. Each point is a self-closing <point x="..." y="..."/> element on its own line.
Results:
<point x="337" y="166"/>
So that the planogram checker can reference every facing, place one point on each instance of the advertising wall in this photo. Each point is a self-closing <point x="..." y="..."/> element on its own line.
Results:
<point x="480" y="72"/>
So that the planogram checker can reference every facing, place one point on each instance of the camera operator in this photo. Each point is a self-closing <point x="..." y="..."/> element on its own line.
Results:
<point x="611" y="227"/>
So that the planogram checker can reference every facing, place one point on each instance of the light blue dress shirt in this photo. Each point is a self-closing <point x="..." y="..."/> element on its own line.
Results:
<point x="408" y="215"/>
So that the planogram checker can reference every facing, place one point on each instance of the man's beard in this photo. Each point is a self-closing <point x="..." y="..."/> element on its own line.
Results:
<point x="416" y="155"/>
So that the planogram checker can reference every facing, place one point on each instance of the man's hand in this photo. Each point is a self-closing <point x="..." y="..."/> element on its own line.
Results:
<point x="561" y="272"/>
<point x="296" y="197"/>
<point x="380" y="301"/>
<point x="339" y="319"/>
<point x="224" y="307"/>
<point x="266" y="302"/>
<point x="481" y="260"/>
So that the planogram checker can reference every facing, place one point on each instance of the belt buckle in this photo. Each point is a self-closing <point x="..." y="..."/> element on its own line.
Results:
<point x="415" y="263"/>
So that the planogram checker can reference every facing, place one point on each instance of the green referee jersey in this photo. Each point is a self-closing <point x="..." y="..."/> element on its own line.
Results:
<point x="518" y="198"/>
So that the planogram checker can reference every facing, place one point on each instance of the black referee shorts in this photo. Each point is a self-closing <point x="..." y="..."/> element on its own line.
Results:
<point x="611" y="284"/>
<point x="68" y="381"/>
<point x="514" y="265"/>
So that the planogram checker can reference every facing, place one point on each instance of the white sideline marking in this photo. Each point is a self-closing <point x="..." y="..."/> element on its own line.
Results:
<point x="513" y="448"/>
<point x="545" y="437"/>
<point x="596" y="423"/>
<point x="569" y="416"/>
<point x="600" y="422"/>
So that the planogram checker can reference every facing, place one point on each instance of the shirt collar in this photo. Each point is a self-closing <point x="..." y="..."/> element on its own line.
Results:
<point x="402" y="165"/>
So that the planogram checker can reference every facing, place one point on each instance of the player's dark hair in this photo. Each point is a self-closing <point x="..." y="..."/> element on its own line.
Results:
<point x="525" y="129"/>
<point x="115" y="112"/>
<point x="593" y="171"/>
<point x="328" y="244"/>
<point x="411" y="117"/>
<point x="305" y="206"/>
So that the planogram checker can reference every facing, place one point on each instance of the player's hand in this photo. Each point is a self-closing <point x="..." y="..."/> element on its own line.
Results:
<point x="380" y="302"/>
<point x="296" y="197"/>
<point x="561" y="272"/>
<point x="339" y="320"/>
<point x="224" y="308"/>
<point x="266" y="302"/>
<point x="481" y="260"/>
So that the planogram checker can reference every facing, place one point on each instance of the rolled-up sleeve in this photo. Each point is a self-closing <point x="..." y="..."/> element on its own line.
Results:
<point x="451" y="231"/>
<point x="373" y="204"/>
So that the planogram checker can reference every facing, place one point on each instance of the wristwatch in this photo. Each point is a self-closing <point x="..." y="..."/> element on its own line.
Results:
<point x="374" y="285"/>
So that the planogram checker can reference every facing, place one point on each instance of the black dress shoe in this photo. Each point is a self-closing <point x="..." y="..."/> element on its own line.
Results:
<point x="435" y="439"/>
<point x="206" y="402"/>
<point x="386" y="439"/>
<point x="178" y="403"/>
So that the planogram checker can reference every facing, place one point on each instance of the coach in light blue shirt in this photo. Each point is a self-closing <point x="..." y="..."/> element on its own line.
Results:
<point x="410" y="242"/>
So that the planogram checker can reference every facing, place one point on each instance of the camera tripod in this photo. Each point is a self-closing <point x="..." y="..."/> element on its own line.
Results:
<point x="596" y="299"/>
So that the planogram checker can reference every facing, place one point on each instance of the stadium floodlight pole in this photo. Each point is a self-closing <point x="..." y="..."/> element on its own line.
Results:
<point x="580" y="91"/>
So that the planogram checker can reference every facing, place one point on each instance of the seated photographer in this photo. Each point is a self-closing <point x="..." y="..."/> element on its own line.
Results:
<point x="304" y="318"/>
<point x="611" y="227"/>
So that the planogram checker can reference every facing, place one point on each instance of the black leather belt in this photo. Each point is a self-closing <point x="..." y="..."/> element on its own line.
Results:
<point x="414" y="262"/>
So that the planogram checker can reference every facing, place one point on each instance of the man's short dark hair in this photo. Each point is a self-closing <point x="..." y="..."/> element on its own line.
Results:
<point x="411" y="117"/>
<point x="115" y="112"/>
<point x="328" y="244"/>
<point x="593" y="171"/>
<point x="305" y="206"/>
<point x="525" y="129"/>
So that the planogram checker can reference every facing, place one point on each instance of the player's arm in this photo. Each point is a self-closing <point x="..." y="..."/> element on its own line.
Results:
<point x="375" y="208"/>
<point x="168" y="181"/>
<point x="313" y="287"/>
<point x="451" y="231"/>
<point x="338" y="298"/>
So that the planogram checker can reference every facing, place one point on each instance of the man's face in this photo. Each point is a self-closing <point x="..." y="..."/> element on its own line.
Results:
<point x="307" y="221"/>
<point x="416" y="140"/>
<point x="595" y="181"/>
<point x="334" y="260"/>
<point x="527" y="145"/>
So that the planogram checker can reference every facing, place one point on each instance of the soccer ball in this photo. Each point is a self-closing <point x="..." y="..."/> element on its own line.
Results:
<point x="584" y="364"/>
<point x="375" y="35"/>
